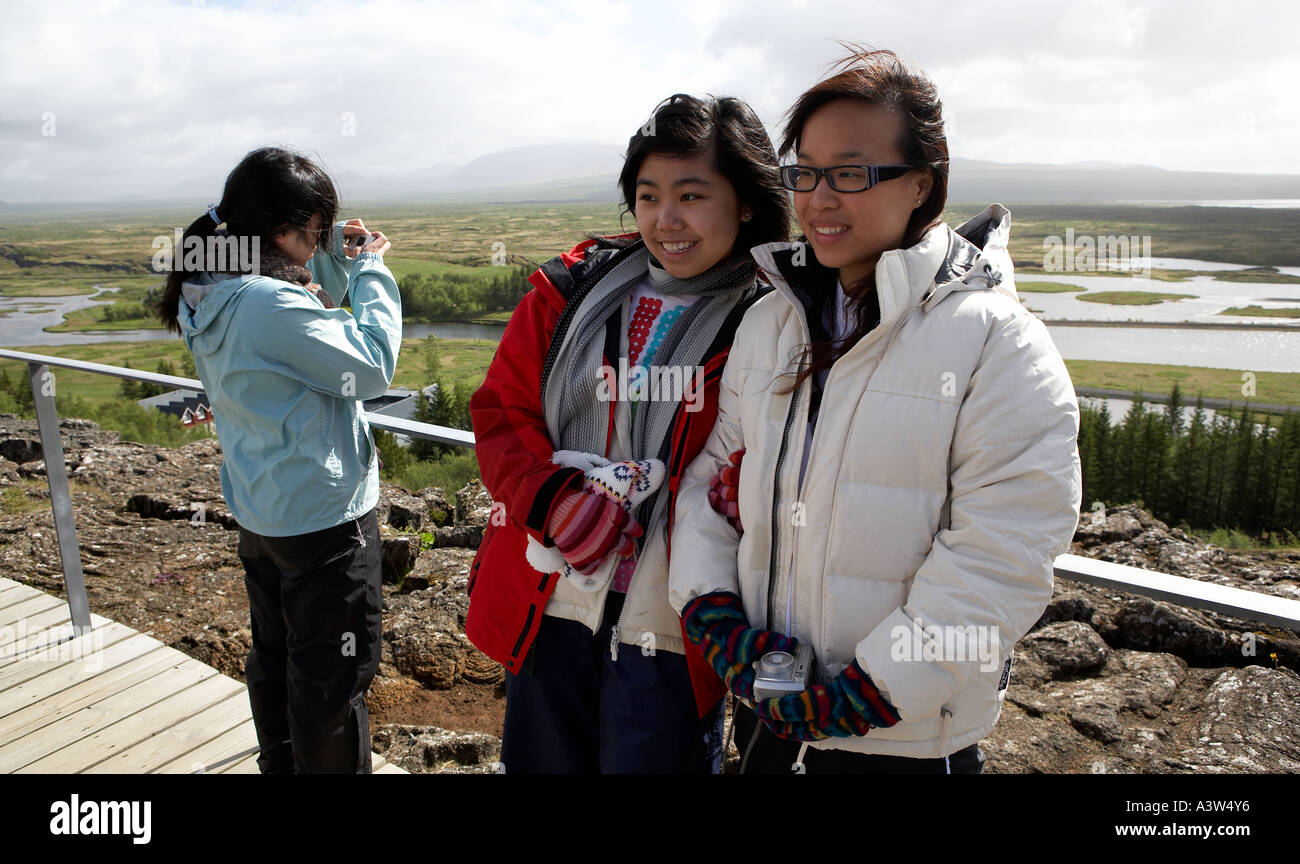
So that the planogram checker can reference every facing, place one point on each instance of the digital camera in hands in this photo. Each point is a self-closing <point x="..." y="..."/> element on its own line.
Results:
<point x="780" y="673"/>
<point x="358" y="241"/>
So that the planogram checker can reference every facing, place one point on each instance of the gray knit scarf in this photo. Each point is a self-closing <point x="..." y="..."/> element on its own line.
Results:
<point x="578" y="419"/>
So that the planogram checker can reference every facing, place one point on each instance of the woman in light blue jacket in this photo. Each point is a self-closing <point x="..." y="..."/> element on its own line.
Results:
<point x="285" y="371"/>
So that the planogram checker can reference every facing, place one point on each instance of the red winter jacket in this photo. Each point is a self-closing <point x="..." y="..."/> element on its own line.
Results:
<point x="507" y="596"/>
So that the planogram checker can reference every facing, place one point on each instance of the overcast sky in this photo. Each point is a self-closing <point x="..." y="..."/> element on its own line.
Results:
<point x="148" y="97"/>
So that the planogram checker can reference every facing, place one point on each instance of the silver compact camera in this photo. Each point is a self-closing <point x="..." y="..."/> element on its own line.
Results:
<point x="780" y="673"/>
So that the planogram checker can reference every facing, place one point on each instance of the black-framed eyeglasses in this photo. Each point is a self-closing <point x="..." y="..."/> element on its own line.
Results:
<point x="842" y="178"/>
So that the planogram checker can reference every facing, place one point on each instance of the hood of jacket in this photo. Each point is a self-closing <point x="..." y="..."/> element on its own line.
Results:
<point x="207" y="299"/>
<point x="972" y="257"/>
<point x="204" y="311"/>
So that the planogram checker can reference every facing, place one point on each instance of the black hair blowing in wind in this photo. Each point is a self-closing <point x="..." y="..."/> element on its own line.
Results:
<point x="270" y="191"/>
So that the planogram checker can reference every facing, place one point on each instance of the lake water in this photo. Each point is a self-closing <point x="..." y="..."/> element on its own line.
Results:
<point x="491" y="332"/>
<point x="25" y="329"/>
<point x="1255" y="350"/>
<point x="21" y="328"/>
<point x="1249" y="350"/>
<point x="1210" y="296"/>
<point x="1258" y="203"/>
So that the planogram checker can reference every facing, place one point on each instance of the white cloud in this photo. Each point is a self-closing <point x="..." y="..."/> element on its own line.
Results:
<point x="157" y="99"/>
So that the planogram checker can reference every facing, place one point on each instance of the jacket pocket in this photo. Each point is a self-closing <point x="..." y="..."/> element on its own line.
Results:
<point x="478" y="557"/>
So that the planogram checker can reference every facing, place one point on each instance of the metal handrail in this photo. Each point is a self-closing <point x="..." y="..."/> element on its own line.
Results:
<point x="1193" y="593"/>
<point x="47" y="420"/>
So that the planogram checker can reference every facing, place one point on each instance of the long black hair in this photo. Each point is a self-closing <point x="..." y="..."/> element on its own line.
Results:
<point x="742" y="152"/>
<point x="270" y="191"/>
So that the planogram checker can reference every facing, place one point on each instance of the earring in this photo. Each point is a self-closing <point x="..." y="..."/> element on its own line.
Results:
<point x="746" y="216"/>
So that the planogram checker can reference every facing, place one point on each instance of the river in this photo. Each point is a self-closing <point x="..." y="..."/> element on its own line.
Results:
<point x="1250" y="350"/>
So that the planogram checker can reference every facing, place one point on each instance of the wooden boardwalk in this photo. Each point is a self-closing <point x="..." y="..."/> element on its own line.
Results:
<point x="114" y="701"/>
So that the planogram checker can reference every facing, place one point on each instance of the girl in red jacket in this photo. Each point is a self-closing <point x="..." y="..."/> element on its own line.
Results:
<point x="603" y="389"/>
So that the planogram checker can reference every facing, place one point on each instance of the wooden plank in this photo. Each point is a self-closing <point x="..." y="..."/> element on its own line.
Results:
<point x="247" y="765"/>
<point x="226" y="749"/>
<point x="34" y="624"/>
<point x="5" y="588"/>
<point x="16" y="637"/>
<point x="43" y="629"/>
<point x="178" y="739"/>
<point x="117" y="722"/>
<point x="82" y="653"/>
<point x="49" y="699"/>
<point x="19" y="593"/>
<point x="28" y="606"/>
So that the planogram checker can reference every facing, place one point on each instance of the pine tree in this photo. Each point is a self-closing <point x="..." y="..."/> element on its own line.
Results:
<point x="1104" y="448"/>
<point x="1291" y="483"/>
<point x="1174" y="411"/>
<point x="394" y="455"/>
<point x="425" y="412"/>
<point x="1243" y="449"/>
<point x="1188" y="450"/>
<point x="130" y="387"/>
<point x="1088" y="419"/>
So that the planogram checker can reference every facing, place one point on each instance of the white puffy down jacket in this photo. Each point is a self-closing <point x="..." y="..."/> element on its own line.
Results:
<point x="942" y="482"/>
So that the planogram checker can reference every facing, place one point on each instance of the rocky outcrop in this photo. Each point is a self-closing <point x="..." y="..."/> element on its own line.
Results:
<point x="430" y="750"/>
<point x="1103" y="682"/>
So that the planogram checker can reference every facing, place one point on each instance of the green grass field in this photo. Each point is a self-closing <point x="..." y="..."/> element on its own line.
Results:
<point x="47" y="254"/>
<point x="1260" y="311"/>
<point x="1281" y="388"/>
<point x="1237" y="235"/>
<point x="50" y="254"/>
<point x="1257" y="274"/>
<point x="1046" y="288"/>
<point x="467" y="360"/>
<point x="1131" y="298"/>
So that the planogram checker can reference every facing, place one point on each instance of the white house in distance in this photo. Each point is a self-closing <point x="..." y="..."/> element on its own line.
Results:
<point x="191" y="407"/>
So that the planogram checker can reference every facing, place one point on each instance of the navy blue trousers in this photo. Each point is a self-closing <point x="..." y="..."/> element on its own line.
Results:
<point x="572" y="709"/>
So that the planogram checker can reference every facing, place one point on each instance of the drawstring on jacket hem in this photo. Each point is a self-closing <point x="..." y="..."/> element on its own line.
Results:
<point x="945" y="731"/>
<point x="798" y="767"/>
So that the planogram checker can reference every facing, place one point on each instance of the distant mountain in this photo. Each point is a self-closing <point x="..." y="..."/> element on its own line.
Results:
<point x="976" y="181"/>
<point x="546" y="172"/>
<point x="589" y="172"/>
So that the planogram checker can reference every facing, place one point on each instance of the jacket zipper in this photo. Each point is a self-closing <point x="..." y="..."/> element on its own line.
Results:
<point x="774" y="563"/>
<point x="617" y="631"/>
<point x="674" y="434"/>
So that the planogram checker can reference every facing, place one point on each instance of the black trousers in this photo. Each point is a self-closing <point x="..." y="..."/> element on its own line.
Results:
<point x="772" y="754"/>
<point x="315" y="605"/>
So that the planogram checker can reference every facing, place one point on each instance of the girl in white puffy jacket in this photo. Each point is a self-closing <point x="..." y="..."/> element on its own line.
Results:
<point x="910" y="468"/>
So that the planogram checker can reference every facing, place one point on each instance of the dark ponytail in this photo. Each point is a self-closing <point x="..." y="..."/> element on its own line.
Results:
<point x="270" y="191"/>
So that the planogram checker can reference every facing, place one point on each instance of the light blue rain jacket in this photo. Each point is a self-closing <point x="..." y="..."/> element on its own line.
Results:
<point x="284" y="375"/>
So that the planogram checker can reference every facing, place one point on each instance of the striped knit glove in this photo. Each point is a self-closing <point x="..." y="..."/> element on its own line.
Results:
<point x="724" y="491"/>
<point x="849" y="705"/>
<point x="586" y="526"/>
<point x="717" y="623"/>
